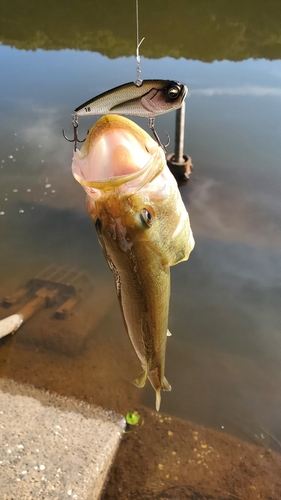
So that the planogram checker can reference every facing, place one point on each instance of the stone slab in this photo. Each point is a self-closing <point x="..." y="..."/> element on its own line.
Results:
<point x="54" y="447"/>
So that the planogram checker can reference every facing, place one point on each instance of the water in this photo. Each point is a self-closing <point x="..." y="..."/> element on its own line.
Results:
<point x="223" y="359"/>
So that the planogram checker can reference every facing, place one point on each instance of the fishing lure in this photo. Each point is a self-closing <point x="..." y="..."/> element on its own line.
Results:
<point x="151" y="98"/>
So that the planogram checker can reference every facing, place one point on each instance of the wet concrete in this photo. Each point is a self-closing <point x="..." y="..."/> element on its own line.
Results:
<point x="53" y="447"/>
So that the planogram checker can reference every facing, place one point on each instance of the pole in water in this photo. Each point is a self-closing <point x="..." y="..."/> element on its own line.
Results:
<point x="179" y="163"/>
<point x="179" y="139"/>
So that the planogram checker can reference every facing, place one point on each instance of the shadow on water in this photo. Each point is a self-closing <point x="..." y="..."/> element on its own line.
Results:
<point x="223" y="359"/>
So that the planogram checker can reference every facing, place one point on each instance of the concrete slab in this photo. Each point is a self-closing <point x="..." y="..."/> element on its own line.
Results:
<point x="54" y="447"/>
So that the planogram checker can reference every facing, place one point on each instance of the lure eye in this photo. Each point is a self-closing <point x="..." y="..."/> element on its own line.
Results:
<point x="174" y="92"/>
<point x="146" y="217"/>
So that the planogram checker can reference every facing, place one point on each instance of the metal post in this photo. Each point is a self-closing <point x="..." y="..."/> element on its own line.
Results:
<point x="179" y="163"/>
<point x="179" y="139"/>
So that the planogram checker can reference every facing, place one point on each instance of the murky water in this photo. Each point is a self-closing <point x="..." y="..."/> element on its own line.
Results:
<point x="224" y="358"/>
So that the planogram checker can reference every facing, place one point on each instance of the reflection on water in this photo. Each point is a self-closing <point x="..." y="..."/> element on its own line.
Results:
<point x="223" y="359"/>
<point x="205" y="30"/>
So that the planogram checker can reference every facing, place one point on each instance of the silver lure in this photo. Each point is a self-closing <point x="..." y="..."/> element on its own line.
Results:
<point x="151" y="98"/>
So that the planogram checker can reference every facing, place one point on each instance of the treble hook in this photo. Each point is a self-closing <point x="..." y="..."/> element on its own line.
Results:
<point x="151" y="123"/>
<point x="75" y="139"/>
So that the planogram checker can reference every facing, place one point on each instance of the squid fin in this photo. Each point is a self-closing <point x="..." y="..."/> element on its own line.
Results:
<point x="165" y="385"/>
<point x="140" y="380"/>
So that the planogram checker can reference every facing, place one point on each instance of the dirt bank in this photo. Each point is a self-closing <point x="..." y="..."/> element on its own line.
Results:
<point x="167" y="458"/>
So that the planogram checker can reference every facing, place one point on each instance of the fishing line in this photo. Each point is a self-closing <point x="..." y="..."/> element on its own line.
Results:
<point x="138" y="81"/>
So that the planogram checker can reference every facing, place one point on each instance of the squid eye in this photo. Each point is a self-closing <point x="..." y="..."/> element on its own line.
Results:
<point x="174" y="92"/>
<point x="147" y="217"/>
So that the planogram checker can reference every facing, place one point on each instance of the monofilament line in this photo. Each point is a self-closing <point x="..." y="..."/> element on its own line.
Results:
<point x="138" y="81"/>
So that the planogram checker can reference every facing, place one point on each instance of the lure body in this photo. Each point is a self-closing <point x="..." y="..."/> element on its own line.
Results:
<point x="151" y="98"/>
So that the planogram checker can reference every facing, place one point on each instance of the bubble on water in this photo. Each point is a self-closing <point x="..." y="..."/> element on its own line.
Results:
<point x="53" y="191"/>
<point x="47" y="186"/>
<point x="28" y="190"/>
<point x="11" y="157"/>
<point x="2" y="213"/>
<point x="15" y="190"/>
<point x="16" y="149"/>
<point x="21" y="211"/>
<point x="2" y="161"/>
<point x="42" y="161"/>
